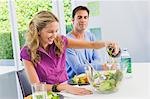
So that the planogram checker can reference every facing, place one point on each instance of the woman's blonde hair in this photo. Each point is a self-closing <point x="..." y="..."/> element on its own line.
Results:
<point x="39" y="21"/>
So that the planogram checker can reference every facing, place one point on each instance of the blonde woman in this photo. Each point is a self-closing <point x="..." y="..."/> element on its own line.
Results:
<point x="44" y="55"/>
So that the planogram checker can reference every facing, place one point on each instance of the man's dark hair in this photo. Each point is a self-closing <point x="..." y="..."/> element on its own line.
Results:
<point x="79" y="8"/>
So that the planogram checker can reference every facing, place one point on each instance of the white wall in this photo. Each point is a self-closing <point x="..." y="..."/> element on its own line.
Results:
<point x="125" y="22"/>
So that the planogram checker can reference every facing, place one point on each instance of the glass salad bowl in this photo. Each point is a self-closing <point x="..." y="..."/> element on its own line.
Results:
<point x="105" y="81"/>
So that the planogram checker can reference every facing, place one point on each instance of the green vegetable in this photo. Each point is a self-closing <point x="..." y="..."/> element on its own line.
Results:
<point x="39" y="97"/>
<point x="110" y="83"/>
<point x="52" y="95"/>
<point x="97" y="74"/>
<point x="105" y="85"/>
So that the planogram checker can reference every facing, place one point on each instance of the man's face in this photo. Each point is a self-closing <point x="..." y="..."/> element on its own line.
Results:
<point x="80" y="20"/>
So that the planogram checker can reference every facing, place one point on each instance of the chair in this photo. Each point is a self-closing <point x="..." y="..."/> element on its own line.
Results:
<point x="24" y="83"/>
<point x="8" y="86"/>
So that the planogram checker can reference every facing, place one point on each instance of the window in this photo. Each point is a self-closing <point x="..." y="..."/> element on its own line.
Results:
<point x="68" y="15"/>
<point x="6" y="51"/>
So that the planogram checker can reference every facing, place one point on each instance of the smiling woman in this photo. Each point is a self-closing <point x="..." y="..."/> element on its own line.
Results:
<point x="44" y="54"/>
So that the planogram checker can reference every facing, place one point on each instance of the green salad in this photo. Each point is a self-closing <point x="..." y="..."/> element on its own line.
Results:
<point x="109" y="82"/>
<point x="52" y="95"/>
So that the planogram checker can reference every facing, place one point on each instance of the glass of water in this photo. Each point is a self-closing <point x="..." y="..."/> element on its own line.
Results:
<point x="39" y="90"/>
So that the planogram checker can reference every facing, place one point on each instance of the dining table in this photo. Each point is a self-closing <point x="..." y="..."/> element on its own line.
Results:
<point x="137" y="86"/>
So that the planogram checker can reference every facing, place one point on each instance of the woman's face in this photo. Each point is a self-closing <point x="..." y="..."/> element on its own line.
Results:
<point x="49" y="33"/>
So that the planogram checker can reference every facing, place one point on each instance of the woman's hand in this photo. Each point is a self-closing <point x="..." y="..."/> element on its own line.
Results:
<point x="75" y="90"/>
<point x="113" y="47"/>
<point x="78" y="91"/>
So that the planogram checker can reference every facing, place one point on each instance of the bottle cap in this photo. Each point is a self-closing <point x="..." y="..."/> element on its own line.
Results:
<point x="125" y="49"/>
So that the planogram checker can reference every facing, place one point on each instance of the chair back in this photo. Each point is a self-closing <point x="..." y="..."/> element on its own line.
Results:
<point x="8" y="86"/>
<point x="24" y="83"/>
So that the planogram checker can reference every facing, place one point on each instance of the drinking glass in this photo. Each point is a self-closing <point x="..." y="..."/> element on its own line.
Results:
<point x="39" y="90"/>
